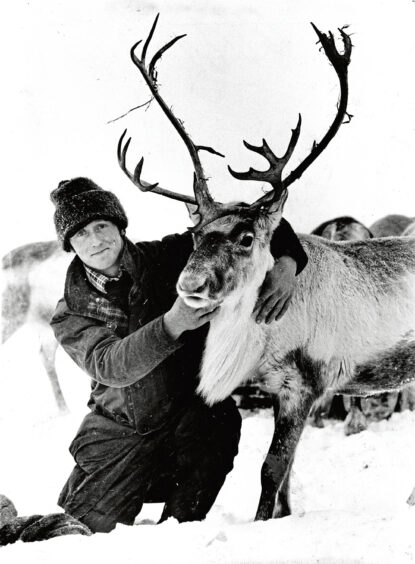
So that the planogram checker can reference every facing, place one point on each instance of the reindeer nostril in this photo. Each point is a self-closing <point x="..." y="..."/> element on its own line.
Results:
<point x="192" y="284"/>
<point x="200" y="288"/>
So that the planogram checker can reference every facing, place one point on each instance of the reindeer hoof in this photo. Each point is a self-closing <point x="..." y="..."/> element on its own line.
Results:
<point x="281" y="510"/>
<point x="316" y="422"/>
<point x="355" y="422"/>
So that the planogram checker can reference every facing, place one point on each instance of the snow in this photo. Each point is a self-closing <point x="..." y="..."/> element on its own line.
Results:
<point x="244" y="71"/>
<point x="348" y="493"/>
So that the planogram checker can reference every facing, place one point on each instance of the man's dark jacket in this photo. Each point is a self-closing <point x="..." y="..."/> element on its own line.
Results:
<point x="140" y="376"/>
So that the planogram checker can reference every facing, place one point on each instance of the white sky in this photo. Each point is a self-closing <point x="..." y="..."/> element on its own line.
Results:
<point x="244" y="71"/>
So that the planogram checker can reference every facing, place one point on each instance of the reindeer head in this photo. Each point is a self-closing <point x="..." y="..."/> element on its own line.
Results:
<point x="232" y="240"/>
<point x="230" y="252"/>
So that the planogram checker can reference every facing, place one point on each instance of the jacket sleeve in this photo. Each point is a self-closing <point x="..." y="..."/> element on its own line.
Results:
<point x="107" y="358"/>
<point x="285" y="242"/>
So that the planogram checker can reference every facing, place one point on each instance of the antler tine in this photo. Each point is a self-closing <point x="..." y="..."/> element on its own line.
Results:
<point x="203" y="197"/>
<point x="277" y="164"/>
<point x="150" y="36"/>
<point x="340" y="62"/>
<point x="135" y="178"/>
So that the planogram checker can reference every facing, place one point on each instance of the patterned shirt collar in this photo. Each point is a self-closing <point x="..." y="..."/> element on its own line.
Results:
<point x="99" y="280"/>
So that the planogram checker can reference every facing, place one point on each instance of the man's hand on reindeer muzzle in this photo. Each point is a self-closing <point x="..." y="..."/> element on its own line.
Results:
<point x="276" y="291"/>
<point x="181" y="317"/>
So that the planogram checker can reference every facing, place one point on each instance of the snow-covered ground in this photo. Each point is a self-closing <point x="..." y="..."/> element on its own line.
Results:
<point x="245" y="71"/>
<point x="348" y="493"/>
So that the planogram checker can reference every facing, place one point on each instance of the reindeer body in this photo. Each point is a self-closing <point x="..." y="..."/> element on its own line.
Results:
<point x="352" y="314"/>
<point x="350" y="329"/>
<point x="352" y="317"/>
<point x="32" y="277"/>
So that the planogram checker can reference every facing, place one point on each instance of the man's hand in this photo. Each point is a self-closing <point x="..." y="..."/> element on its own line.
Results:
<point x="182" y="318"/>
<point x="277" y="289"/>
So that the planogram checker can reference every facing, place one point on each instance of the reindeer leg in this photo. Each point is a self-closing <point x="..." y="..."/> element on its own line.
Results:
<point x="48" y="347"/>
<point x="320" y="410"/>
<point x="275" y="473"/>
<point x="283" y="505"/>
<point x="316" y="417"/>
<point x="355" y="421"/>
<point x="407" y="398"/>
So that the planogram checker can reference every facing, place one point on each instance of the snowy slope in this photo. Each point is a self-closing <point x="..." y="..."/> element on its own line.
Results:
<point x="348" y="493"/>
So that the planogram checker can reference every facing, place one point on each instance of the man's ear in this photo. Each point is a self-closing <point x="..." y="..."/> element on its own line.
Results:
<point x="193" y="214"/>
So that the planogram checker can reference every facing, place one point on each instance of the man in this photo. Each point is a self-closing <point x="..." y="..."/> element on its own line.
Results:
<point x="148" y="436"/>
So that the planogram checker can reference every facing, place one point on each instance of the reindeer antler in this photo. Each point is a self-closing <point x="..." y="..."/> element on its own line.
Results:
<point x="273" y="175"/>
<point x="204" y="200"/>
<point x="136" y="176"/>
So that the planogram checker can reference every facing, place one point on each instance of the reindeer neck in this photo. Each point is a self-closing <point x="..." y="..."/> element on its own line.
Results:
<point x="233" y="345"/>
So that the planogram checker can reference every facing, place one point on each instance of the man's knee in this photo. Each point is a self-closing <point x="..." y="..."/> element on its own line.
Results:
<point x="225" y="427"/>
<point x="208" y="437"/>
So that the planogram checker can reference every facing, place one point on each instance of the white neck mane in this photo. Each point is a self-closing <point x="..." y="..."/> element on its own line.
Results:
<point x="233" y="346"/>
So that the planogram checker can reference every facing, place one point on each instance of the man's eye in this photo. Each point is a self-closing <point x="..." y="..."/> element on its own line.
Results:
<point x="247" y="240"/>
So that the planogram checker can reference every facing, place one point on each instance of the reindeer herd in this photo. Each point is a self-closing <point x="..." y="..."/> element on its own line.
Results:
<point x="349" y="329"/>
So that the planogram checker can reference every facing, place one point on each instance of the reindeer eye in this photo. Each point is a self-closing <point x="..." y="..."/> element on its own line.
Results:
<point x="247" y="240"/>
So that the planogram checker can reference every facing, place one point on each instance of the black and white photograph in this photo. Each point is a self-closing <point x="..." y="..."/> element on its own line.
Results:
<point x="208" y="282"/>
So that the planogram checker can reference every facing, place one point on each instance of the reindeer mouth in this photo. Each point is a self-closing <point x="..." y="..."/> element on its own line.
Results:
<point x="196" y="301"/>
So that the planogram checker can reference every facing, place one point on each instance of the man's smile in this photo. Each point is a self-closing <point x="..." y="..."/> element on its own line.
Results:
<point x="99" y="252"/>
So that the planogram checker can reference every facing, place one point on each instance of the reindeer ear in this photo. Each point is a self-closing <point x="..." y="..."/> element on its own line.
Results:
<point x="193" y="213"/>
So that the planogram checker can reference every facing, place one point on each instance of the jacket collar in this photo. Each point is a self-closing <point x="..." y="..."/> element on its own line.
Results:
<point x="78" y="289"/>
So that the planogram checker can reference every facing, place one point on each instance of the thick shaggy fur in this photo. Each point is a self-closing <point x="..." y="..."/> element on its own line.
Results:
<point x="354" y="302"/>
<point x="351" y="319"/>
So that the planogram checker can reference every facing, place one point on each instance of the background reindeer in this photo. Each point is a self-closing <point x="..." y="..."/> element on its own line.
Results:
<point x="33" y="277"/>
<point x="392" y="225"/>
<point x="352" y="316"/>
<point x="378" y="406"/>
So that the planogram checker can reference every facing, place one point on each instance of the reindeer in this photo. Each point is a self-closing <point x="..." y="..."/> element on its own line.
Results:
<point x="392" y="225"/>
<point x="352" y="316"/>
<point x="379" y="406"/>
<point x="344" y="228"/>
<point x="33" y="277"/>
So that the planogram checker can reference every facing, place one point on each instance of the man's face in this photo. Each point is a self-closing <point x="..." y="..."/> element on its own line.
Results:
<point x="99" y="246"/>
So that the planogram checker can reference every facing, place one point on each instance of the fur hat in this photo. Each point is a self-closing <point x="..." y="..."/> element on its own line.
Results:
<point x="79" y="201"/>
